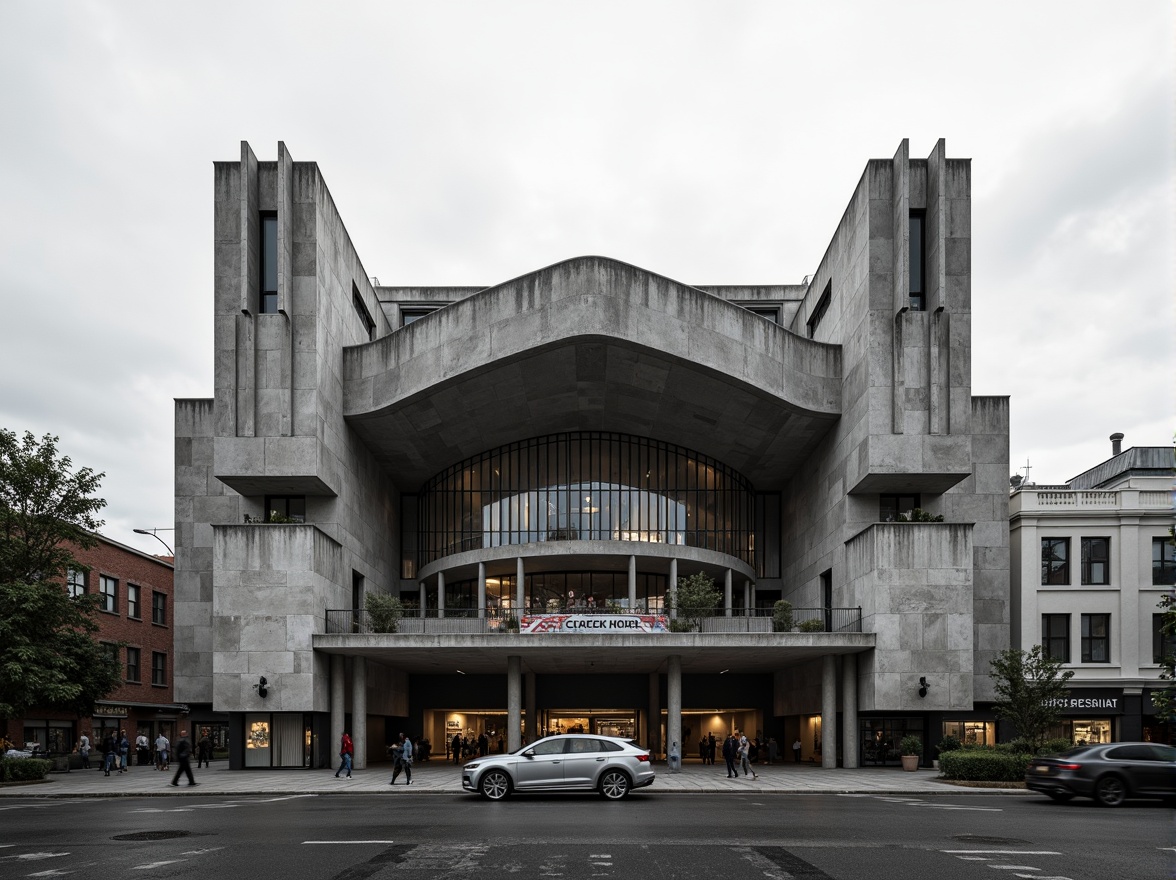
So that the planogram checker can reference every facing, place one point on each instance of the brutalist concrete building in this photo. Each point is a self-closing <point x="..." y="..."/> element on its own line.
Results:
<point x="532" y="467"/>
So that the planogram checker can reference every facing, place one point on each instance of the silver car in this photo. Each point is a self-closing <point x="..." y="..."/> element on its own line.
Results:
<point x="574" y="762"/>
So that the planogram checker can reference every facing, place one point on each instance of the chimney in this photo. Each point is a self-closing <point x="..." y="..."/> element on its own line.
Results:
<point x="1116" y="443"/>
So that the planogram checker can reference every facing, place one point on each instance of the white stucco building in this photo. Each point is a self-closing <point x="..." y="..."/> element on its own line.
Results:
<point x="1091" y="560"/>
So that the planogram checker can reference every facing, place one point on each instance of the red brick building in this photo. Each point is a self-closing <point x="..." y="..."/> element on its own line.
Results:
<point x="137" y="608"/>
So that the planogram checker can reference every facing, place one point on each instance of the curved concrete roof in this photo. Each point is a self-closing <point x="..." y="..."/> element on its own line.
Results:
<point x="591" y="344"/>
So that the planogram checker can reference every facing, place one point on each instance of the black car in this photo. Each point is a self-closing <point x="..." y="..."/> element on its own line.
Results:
<point x="1108" y="773"/>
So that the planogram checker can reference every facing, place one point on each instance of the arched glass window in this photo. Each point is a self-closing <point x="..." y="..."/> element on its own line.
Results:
<point x="586" y="487"/>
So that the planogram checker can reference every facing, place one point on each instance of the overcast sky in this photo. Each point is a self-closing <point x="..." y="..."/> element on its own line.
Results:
<point x="467" y="143"/>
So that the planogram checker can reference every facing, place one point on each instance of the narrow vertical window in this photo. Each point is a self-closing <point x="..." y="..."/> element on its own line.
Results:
<point x="108" y="589"/>
<point x="365" y="317"/>
<point x="1096" y="554"/>
<point x="1055" y="561"/>
<point x="133" y="601"/>
<point x="918" y="293"/>
<point x="1163" y="641"/>
<point x="1055" y="636"/>
<point x="822" y="306"/>
<point x="75" y="582"/>
<point x="269" y="264"/>
<point x="159" y="608"/>
<point x="133" y="665"/>
<point x="1096" y="638"/>
<point x="1163" y="562"/>
<point x="159" y="669"/>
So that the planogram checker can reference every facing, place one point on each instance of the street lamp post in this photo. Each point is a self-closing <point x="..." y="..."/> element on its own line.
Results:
<point x="151" y="532"/>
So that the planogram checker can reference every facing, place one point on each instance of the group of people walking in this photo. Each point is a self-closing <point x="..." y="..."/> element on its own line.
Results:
<point x="115" y="748"/>
<point x="462" y="748"/>
<point x="737" y="755"/>
<point x="401" y="752"/>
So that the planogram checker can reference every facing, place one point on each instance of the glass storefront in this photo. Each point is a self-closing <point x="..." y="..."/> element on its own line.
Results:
<point x="278" y="740"/>
<point x="1084" y="732"/>
<point x="881" y="738"/>
<point x="971" y="733"/>
<point x="580" y="591"/>
<point x="587" y="486"/>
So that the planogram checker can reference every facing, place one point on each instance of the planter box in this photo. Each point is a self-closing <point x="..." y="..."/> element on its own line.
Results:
<point x="910" y="763"/>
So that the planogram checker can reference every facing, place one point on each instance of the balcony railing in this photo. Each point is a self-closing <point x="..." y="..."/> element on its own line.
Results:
<point x="462" y="621"/>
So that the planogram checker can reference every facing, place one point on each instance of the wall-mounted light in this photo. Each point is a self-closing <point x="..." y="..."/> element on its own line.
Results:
<point x="923" y="686"/>
<point x="261" y="688"/>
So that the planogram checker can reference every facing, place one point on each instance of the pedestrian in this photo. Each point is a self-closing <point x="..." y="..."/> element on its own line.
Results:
<point x="710" y="749"/>
<point x="84" y="750"/>
<point x="744" y="759"/>
<point x="702" y="749"/>
<point x="457" y="748"/>
<point x="402" y="760"/>
<point x="162" y="747"/>
<point x="346" y="750"/>
<point x="184" y="756"/>
<point x="773" y="750"/>
<point x="143" y="748"/>
<point x="124" y="751"/>
<point x="204" y="750"/>
<point x="730" y="748"/>
<point x="109" y="751"/>
<point x="483" y="745"/>
<point x="796" y="752"/>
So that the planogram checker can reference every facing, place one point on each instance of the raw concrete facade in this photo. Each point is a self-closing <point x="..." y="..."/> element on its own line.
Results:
<point x="822" y="400"/>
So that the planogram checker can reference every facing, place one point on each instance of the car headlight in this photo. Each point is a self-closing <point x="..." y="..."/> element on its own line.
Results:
<point x="473" y="766"/>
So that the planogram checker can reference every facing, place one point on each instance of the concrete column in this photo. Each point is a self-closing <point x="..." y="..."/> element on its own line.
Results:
<point x="849" y="719"/>
<point x="440" y="594"/>
<point x="520" y="592"/>
<point x="482" y="590"/>
<point x="674" y="706"/>
<point x="654" y="743"/>
<point x="829" y="712"/>
<point x="727" y="591"/>
<point x="514" y="702"/>
<point x="747" y="601"/>
<point x="673" y="588"/>
<point x="338" y="680"/>
<point x="532" y="721"/>
<point x="632" y="582"/>
<point x="359" y="712"/>
<point x="424" y="602"/>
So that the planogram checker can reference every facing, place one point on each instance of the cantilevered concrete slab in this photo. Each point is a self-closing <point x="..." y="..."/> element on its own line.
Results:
<point x="592" y="344"/>
<point x="565" y="654"/>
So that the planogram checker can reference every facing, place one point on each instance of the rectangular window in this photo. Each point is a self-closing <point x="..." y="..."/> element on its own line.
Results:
<point x="1163" y="562"/>
<point x="269" y="264"/>
<point x="285" y="508"/>
<point x="108" y="591"/>
<point x="819" y="312"/>
<point x="1163" y="643"/>
<point x="365" y="317"/>
<point x="1055" y="636"/>
<point x="768" y="313"/>
<point x="159" y="668"/>
<point x="1096" y="638"/>
<point x="133" y="665"/>
<point x="159" y="608"/>
<point x="1096" y="557"/>
<point x="918" y="293"/>
<point x="133" y="601"/>
<point x="111" y="650"/>
<point x="75" y="582"/>
<point x="407" y="316"/>
<point x="891" y="506"/>
<point x="1055" y="561"/>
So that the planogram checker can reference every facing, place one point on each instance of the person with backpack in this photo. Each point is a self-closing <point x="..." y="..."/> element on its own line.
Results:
<point x="109" y="751"/>
<point x="402" y="760"/>
<point x="730" y="749"/>
<point x="162" y="747"/>
<point x="124" y="751"/>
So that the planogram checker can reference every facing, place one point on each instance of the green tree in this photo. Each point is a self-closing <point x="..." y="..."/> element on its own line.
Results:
<point x="1030" y="687"/>
<point x="48" y="656"/>
<point x="697" y="598"/>
<point x="383" y="612"/>
<point x="1164" y="697"/>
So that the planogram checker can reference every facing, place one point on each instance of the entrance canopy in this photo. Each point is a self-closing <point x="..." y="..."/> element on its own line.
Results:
<point x="567" y="654"/>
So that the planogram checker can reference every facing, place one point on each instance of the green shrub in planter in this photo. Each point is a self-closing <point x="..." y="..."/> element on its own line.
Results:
<point x="782" y="616"/>
<point x="910" y="745"/>
<point x="384" y="612"/>
<point x="983" y="765"/>
<point x="22" y="769"/>
<point x="1053" y="746"/>
<point x="681" y="625"/>
<point x="949" y="744"/>
<point x="812" y="625"/>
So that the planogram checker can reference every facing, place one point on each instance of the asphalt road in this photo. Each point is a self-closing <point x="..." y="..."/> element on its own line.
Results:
<point x="726" y="837"/>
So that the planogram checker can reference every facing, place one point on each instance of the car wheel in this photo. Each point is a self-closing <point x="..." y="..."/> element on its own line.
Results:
<point x="495" y="785"/>
<point x="614" y="785"/>
<point x="1110" y="791"/>
<point x="1060" y="796"/>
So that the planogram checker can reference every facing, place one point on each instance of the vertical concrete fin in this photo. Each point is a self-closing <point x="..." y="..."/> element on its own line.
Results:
<point x="900" y="206"/>
<point x="286" y="284"/>
<point x="246" y="354"/>
<point x="935" y="228"/>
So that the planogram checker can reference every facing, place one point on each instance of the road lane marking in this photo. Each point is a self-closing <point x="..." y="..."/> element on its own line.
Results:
<point x="345" y="842"/>
<point x="290" y="797"/>
<point x="36" y="857"/>
<point x="151" y="865"/>
<point x="51" y="873"/>
<point x="1015" y="868"/>
<point x="1001" y="852"/>
<point x="200" y="852"/>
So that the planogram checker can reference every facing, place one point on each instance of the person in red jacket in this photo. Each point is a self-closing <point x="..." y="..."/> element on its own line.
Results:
<point x="346" y="750"/>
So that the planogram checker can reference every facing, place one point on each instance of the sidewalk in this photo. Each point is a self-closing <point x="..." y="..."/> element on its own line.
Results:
<point x="439" y="777"/>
